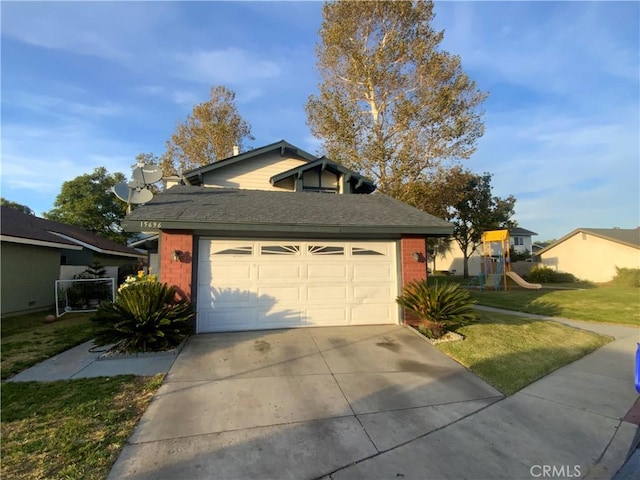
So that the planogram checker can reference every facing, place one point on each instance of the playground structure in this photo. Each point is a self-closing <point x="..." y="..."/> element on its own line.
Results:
<point x="495" y="267"/>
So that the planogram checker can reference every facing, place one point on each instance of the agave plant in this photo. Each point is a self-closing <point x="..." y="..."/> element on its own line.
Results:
<point x="439" y="307"/>
<point x="145" y="316"/>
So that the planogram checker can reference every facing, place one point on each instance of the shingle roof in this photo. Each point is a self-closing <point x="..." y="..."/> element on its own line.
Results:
<point x="202" y="208"/>
<point x="29" y="227"/>
<point x="521" y="231"/>
<point x="624" y="236"/>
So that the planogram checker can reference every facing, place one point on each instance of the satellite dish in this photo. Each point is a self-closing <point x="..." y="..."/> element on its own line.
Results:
<point x="122" y="191"/>
<point x="147" y="174"/>
<point x="141" y="196"/>
<point x="136" y="190"/>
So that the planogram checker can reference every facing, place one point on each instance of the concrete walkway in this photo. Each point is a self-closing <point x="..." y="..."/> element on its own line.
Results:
<point x="81" y="362"/>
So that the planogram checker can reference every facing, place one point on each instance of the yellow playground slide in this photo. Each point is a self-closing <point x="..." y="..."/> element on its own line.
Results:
<point x="522" y="282"/>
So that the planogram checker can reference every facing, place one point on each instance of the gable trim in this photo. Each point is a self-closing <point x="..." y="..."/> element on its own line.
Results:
<point x="38" y="243"/>
<point x="96" y="249"/>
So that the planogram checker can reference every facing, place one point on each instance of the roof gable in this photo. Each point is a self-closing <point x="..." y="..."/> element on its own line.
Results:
<point x="521" y="232"/>
<point x="625" y="236"/>
<point x="194" y="177"/>
<point x="361" y="183"/>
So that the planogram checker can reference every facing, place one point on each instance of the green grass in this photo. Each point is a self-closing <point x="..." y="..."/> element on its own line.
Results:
<point x="27" y="340"/>
<point x="601" y="303"/>
<point x="511" y="352"/>
<point x="72" y="429"/>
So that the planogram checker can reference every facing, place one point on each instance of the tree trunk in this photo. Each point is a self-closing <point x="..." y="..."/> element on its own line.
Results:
<point x="466" y="265"/>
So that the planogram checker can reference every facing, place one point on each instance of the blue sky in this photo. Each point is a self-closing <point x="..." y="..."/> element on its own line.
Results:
<point x="86" y="84"/>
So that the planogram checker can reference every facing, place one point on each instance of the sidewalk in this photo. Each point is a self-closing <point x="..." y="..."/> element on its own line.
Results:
<point x="80" y="362"/>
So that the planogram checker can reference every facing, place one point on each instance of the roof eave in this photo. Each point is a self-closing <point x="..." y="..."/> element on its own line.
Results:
<point x="135" y="226"/>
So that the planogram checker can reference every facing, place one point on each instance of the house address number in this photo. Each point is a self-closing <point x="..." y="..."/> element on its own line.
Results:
<point x="147" y="224"/>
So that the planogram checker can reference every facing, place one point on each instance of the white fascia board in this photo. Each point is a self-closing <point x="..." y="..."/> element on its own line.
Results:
<point x="38" y="243"/>
<point x="96" y="249"/>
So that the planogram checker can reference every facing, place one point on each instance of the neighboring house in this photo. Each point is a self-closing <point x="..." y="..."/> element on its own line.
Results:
<point x="453" y="260"/>
<point x="278" y="238"/>
<point x="36" y="250"/>
<point x="594" y="253"/>
<point x="520" y="240"/>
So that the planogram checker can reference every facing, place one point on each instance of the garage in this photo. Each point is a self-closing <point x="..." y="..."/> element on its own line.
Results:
<point x="265" y="284"/>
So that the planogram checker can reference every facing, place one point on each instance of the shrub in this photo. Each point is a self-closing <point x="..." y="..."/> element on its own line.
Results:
<point x="145" y="316"/>
<point x="549" y="275"/>
<point x="440" y="307"/>
<point x="629" y="277"/>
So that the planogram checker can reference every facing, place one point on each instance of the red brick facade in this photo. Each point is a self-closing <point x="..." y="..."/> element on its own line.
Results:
<point x="177" y="272"/>
<point x="412" y="270"/>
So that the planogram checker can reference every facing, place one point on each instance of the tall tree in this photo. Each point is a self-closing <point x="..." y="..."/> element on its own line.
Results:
<point x="476" y="211"/>
<point x="16" y="206"/>
<point x="208" y="134"/>
<point x="392" y="104"/>
<point x="87" y="201"/>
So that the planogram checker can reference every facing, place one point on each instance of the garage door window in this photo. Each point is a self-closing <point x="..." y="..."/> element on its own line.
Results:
<point x="248" y="250"/>
<point x="325" y="250"/>
<point x="280" y="250"/>
<point x="364" y="251"/>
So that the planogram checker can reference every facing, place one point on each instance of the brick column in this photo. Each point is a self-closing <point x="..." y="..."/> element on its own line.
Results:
<point x="410" y="269"/>
<point x="177" y="273"/>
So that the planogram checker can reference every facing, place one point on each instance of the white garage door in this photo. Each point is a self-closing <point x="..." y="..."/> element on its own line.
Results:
<point x="252" y="285"/>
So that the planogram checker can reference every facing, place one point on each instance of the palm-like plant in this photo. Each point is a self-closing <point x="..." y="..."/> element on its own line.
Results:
<point x="145" y="316"/>
<point x="439" y="307"/>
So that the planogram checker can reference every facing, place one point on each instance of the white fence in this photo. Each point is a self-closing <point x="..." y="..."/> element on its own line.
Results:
<point x="83" y="295"/>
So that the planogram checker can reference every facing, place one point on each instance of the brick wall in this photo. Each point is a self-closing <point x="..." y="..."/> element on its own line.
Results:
<point x="410" y="269"/>
<point x="178" y="273"/>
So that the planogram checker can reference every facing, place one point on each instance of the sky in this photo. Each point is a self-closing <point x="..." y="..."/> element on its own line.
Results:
<point x="89" y="84"/>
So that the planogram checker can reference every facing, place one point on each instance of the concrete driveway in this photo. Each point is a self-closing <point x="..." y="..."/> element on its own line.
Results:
<point x="299" y="403"/>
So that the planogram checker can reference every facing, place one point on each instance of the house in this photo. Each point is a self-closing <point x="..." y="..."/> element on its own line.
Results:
<point x="594" y="253"/>
<point x="36" y="252"/>
<point x="453" y="260"/>
<point x="276" y="238"/>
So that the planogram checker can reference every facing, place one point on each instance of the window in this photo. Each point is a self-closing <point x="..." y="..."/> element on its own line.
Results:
<point x="321" y="181"/>
<point x="364" y="251"/>
<point x="280" y="250"/>
<point x="325" y="250"/>
<point x="518" y="240"/>
<point x="248" y="250"/>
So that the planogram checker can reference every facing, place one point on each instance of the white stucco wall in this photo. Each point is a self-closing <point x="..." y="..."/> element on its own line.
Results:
<point x="589" y="257"/>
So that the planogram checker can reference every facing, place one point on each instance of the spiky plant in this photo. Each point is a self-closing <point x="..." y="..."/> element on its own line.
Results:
<point x="145" y="316"/>
<point x="440" y="307"/>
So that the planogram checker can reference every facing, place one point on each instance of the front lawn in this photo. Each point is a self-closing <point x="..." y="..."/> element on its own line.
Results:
<point x="27" y="340"/>
<point x="601" y="303"/>
<point x="511" y="352"/>
<point x="71" y="428"/>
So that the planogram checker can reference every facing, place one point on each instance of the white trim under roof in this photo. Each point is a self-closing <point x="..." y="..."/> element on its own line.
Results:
<point x="96" y="249"/>
<point x="38" y="243"/>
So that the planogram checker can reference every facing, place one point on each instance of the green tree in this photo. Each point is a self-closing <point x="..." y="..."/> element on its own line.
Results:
<point x="209" y="133"/>
<point x="87" y="201"/>
<point x="392" y="104"/>
<point x="476" y="211"/>
<point x="16" y="206"/>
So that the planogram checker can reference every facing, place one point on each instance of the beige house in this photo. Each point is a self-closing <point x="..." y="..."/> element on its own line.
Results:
<point x="594" y="253"/>
<point x="278" y="238"/>
<point x="453" y="260"/>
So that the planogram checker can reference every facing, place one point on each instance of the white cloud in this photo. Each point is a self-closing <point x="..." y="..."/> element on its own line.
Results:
<point x="225" y="66"/>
